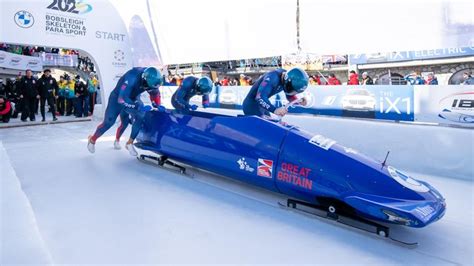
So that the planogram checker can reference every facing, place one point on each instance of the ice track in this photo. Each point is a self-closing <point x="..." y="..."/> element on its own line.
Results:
<point x="111" y="208"/>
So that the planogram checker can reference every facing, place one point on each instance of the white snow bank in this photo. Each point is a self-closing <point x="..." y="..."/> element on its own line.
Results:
<point x="20" y="240"/>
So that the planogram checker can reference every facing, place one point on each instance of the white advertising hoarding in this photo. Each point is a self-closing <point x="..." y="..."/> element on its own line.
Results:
<point x="449" y="105"/>
<point x="20" y="62"/>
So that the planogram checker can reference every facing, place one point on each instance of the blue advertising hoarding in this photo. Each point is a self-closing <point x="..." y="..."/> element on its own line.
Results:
<point x="376" y="102"/>
<point x="450" y="105"/>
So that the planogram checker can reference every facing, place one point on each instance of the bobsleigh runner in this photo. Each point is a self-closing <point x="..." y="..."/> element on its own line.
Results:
<point x="317" y="175"/>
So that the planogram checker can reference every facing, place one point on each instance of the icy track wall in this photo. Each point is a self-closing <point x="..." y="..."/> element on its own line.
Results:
<point x="438" y="150"/>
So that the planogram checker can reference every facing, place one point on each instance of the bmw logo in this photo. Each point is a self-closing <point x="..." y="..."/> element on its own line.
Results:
<point x="24" y="19"/>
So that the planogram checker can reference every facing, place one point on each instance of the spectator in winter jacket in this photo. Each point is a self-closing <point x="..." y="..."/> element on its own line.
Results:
<point x="92" y="88"/>
<point x="62" y="85"/>
<point x="320" y="81"/>
<point x="249" y="80"/>
<point x="315" y="80"/>
<point x="82" y="98"/>
<point x="333" y="80"/>
<point x="13" y="95"/>
<point x="3" y="47"/>
<point x="353" y="78"/>
<point x="234" y="82"/>
<point x="432" y="80"/>
<point x="414" y="79"/>
<point x="366" y="79"/>
<point x="70" y="99"/>
<point x="5" y="109"/>
<point x="468" y="79"/>
<point x="3" y="88"/>
<point x="243" y="80"/>
<point x="28" y="87"/>
<point x="48" y="90"/>
<point x="178" y="79"/>
<point x="173" y="80"/>
<point x="225" y="81"/>
<point x="420" y="80"/>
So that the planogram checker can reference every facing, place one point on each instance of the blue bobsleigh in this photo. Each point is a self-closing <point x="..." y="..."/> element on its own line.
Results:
<point x="309" y="168"/>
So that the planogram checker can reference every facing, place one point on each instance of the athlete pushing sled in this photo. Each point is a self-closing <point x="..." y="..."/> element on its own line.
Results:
<point x="124" y="101"/>
<point x="292" y="82"/>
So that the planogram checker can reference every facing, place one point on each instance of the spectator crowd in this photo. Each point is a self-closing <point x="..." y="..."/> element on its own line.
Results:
<point x="26" y="96"/>
<point x="35" y="50"/>
<point x="84" y="63"/>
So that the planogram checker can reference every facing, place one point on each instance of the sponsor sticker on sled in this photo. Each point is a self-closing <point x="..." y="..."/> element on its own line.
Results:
<point x="322" y="142"/>
<point x="243" y="165"/>
<point x="350" y="150"/>
<point x="265" y="168"/>
<point x="425" y="212"/>
<point x="407" y="181"/>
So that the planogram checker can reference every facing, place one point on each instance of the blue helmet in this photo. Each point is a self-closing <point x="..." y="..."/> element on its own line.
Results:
<point x="296" y="81"/>
<point x="153" y="77"/>
<point x="204" y="86"/>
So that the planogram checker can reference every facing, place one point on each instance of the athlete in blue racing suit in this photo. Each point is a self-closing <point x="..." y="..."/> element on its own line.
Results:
<point x="291" y="82"/>
<point x="190" y="87"/>
<point x="124" y="100"/>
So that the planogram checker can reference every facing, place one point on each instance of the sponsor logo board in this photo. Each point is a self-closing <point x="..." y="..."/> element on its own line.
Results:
<point x="458" y="107"/>
<point x="24" y="19"/>
<point x="265" y="168"/>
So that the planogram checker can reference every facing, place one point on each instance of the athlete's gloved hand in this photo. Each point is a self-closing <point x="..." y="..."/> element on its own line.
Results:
<point x="161" y="108"/>
<point x="303" y="101"/>
<point x="138" y="105"/>
<point x="193" y="107"/>
<point x="145" y="108"/>
<point x="281" y="111"/>
<point x="205" y="105"/>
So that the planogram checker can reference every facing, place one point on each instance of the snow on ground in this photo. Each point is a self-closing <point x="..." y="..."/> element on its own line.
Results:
<point x="111" y="208"/>
<point x="16" y="122"/>
<point x="21" y="242"/>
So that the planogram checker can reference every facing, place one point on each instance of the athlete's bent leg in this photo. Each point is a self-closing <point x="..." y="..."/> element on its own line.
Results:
<point x="124" y="121"/>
